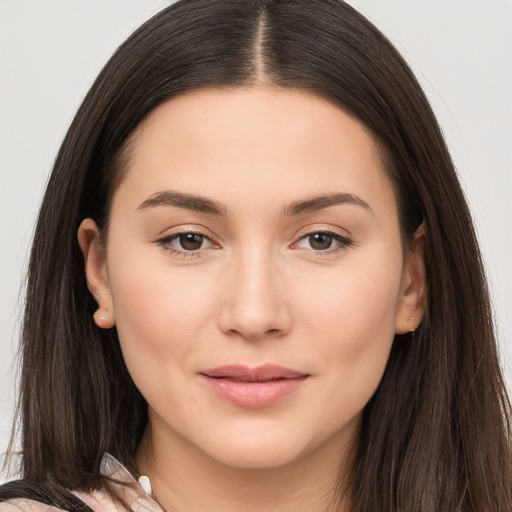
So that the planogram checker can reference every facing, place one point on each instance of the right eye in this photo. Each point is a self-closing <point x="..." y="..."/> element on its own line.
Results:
<point x="324" y="242"/>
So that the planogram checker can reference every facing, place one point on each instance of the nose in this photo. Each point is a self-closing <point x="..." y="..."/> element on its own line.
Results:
<point x="254" y="305"/>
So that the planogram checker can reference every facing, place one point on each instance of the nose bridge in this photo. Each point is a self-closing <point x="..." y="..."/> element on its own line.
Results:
<point x="254" y="305"/>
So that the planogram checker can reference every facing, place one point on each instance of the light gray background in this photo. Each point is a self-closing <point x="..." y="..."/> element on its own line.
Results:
<point x="51" y="50"/>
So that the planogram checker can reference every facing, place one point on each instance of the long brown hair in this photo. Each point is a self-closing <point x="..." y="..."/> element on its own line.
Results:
<point x="435" y="436"/>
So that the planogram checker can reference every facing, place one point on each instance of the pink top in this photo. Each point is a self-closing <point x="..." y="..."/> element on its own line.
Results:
<point x="128" y="491"/>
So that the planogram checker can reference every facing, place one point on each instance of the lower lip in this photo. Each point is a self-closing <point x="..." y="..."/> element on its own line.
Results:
<point x="254" y="394"/>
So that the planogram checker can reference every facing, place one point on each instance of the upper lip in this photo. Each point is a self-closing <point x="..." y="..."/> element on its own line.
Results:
<point x="262" y="373"/>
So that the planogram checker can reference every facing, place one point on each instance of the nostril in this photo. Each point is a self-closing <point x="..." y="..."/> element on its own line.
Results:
<point x="252" y="310"/>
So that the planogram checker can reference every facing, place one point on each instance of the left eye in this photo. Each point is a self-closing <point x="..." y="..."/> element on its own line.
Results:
<point x="323" y="241"/>
<point x="185" y="242"/>
<point x="190" y="241"/>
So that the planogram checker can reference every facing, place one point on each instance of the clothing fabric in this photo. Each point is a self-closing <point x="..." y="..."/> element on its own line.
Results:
<point x="127" y="491"/>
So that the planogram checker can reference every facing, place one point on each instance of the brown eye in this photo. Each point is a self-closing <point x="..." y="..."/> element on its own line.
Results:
<point x="323" y="242"/>
<point x="187" y="243"/>
<point x="320" y="241"/>
<point x="191" y="241"/>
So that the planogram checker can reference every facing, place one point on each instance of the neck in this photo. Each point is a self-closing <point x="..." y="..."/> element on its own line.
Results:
<point x="185" y="478"/>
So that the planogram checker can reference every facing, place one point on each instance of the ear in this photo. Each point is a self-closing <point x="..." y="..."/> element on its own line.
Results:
<point x="413" y="288"/>
<point x="95" y="258"/>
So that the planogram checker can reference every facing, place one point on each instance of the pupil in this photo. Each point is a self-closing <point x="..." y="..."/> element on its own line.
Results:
<point x="320" y="242"/>
<point x="191" y="241"/>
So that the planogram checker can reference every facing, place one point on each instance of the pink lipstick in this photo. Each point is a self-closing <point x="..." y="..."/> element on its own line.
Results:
<point x="253" y="387"/>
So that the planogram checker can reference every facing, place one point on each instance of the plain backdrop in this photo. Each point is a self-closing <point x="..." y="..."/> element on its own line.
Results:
<point x="51" y="51"/>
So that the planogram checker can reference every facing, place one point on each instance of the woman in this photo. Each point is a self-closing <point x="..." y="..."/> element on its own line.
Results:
<point x="282" y="305"/>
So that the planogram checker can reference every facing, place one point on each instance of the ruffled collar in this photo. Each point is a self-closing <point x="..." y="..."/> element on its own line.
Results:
<point x="124" y="487"/>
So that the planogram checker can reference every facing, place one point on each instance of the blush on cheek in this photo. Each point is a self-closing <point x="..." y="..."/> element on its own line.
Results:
<point x="160" y="314"/>
<point x="353" y="306"/>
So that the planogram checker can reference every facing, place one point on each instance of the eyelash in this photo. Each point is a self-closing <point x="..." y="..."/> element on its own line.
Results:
<point x="167" y="241"/>
<point x="343" y="243"/>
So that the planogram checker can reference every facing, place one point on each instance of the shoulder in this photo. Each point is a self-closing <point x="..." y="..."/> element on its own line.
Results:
<point x="92" y="504"/>
<point x="26" y="505"/>
<point x="29" y="496"/>
<point x="95" y="502"/>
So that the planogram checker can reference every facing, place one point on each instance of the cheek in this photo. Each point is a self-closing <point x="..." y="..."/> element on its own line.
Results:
<point x="352" y="317"/>
<point x="159" y="315"/>
<point x="356" y="302"/>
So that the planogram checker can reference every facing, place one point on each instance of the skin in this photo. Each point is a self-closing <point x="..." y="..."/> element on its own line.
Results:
<point x="257" y="291"/>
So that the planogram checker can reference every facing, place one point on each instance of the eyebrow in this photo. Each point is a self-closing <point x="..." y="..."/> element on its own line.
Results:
<point x="205" y="205"/>
<point x="324" y="201"/>
<point x="186" y="201"/>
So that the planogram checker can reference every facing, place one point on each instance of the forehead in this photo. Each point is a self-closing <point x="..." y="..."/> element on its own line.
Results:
<point x="224" y="140"/>
<point x="256" y="116"/>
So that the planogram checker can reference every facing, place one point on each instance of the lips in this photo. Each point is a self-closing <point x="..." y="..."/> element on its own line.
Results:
<point x="253" y="387"/>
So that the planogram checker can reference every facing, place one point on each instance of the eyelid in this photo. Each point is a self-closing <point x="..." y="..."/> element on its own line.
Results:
<point x="311" y="229"/>
<point x="343" y="238"/>
<point x="186" y="228"/>
<point x="165" y="240"/>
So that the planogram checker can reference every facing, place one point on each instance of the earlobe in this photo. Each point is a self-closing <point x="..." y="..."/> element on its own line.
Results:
<point x="96" y="274"/>
<point x="413" y="288"/>
<point x="104" y="318"/>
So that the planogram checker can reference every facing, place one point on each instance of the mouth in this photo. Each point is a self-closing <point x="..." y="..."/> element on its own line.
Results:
<point x="253" y="387"/>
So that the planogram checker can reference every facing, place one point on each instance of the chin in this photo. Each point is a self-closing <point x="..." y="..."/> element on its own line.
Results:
<point x="268" y="444"/>
<point x="255" y="457"/>
<point x="260" y="446"/>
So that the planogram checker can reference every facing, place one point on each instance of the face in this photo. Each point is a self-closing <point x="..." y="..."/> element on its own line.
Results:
<point x="255" y="273"/>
